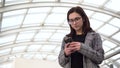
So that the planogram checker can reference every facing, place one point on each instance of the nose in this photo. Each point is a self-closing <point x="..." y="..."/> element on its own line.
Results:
<point x="74" y="22"/>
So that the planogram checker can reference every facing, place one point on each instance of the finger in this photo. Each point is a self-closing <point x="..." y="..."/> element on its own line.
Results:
<point x="74" y="42"/>
<point x="67" y="45"/>
<point x="71" y="45"/>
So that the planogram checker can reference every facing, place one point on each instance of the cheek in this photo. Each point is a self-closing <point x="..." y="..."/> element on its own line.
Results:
<point x="72" y="26"/>
<point x="80" y="24"/>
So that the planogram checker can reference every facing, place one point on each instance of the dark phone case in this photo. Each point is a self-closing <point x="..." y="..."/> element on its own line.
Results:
<point x="68" y="39"/>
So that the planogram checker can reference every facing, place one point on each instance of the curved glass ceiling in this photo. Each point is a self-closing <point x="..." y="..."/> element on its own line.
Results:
<point x="34" y="29"/>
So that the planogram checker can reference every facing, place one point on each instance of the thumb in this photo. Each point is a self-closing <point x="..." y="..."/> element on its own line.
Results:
<point x="67" y="45"/>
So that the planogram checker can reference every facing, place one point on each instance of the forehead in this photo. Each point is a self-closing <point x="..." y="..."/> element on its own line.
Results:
<point x="73" y="15"/>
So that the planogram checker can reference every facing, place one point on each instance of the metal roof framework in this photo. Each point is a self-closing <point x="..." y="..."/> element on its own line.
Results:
<point x="34" y="29"/>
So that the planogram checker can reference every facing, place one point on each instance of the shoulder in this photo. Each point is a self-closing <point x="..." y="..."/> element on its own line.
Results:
<point x="93" y="34"/>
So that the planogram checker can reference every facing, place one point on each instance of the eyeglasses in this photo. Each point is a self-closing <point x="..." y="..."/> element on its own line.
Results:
<point x="77" y="19"/>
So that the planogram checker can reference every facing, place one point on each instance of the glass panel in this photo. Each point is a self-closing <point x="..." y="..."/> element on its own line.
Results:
<point x="7" y="65"/>
<point x="55" y="19"/>
<point x="11" y="58"/>
<point x="65" y="24"/>
<point x="117" y="36"/>
<point x="8" y="38"/>
<point x="101" y="17"/>
<point x="105" y="66"/>
<point x="95" y="2"/>
<point x="43" y="0"/>
<point x="26" y="35"/>
<point x="88" y="12"/>
<point x="10" y="2"/>
<point x="71" y="1"/>
<point x="2" y="59"/>
<point x="44" y="56"/>
<point x="108" y="30"/>
<point x="95" y="24"/>
<point x="54" y="16"/>
<point x="113" y="5"/>
<point x="116" y="56"/>
<point x="34" y="19"/>
<point x="114" y="66"/>
<point x="57" y="37"/>
<point x="60" y="10"/>
<point x="39" y="10"/>
<point x="28" y="55"/>
<point x="18" y="49"/>
<point x="0" y="4"/>
<point x="47" y="48"/>
<point x="34" y="48"/>
<point x="57" y="50"/>
<point x="62" y="31"/>
<point x="109" y="44"/>
<point x="118" y="61"/>
<point x="51" y="57"/>
<point x="12" y="21"/>
<point x="5" y="51"/>
<point x="110" y="52"/>
<point x="37" y="56"/>
<point x="18" y="55"/>
<point x="12" y="18"/>
<point x="14" y="13"/>
<point x="115" y="22"/>
<point x="106" y="48"/>
<point x="43" y="35"/>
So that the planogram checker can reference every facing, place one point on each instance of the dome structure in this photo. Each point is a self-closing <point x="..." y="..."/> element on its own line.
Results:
<point x="34" y="29"/>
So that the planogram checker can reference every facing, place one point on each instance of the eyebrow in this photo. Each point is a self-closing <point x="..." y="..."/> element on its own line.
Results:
<point x="75" y="18"/>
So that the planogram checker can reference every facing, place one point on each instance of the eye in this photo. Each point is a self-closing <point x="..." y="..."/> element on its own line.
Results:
<point x="71" y="20"/>
<point x="77" y="18"/>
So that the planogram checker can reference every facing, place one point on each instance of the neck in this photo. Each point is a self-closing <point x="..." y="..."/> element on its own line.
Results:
<point x="79" y="32"/>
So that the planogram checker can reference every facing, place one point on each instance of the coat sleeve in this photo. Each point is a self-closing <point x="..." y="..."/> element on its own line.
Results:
<point x="94" y="53"/>
<point x="62" y="59"/>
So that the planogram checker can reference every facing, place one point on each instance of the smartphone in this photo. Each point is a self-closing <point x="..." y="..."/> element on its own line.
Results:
<point x="68" y="39"/>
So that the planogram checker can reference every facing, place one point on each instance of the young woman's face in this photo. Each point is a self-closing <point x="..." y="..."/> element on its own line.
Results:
<point x="76" y="22"/>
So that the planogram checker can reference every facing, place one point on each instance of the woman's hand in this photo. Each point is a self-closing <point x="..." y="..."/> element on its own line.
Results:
<point x="71" y="47"/>
<point x="68" y="50"/>
<point x="75" y="46"/>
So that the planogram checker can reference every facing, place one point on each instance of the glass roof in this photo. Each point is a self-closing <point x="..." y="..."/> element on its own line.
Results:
<point x="34" y="29"/>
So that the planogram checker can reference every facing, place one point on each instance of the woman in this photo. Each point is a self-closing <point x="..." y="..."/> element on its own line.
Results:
<point x="85" y="49"/>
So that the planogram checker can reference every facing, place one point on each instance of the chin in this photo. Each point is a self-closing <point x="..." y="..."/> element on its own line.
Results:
<point x="77" y="29"/>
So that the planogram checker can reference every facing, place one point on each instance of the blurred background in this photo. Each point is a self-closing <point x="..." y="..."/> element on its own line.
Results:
<point x="31" y="31"/>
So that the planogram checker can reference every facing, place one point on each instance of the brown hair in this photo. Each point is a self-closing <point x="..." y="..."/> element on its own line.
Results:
<point x="86" y="24"/>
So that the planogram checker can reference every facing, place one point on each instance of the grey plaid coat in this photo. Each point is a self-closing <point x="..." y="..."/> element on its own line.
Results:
<point x="93" y="53"/>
